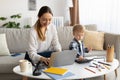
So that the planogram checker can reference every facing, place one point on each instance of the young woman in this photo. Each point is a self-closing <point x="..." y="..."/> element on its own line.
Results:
<point x="43" y="37"/>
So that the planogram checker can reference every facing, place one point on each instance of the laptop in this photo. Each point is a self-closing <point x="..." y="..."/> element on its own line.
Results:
<point x="57" y="59"/>
<point x="63" y="58"/>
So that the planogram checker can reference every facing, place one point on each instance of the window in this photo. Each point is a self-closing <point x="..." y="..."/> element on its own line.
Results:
<point x="104" y="13"/>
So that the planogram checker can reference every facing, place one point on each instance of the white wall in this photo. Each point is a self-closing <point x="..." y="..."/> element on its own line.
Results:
<point x="10" y="7"/>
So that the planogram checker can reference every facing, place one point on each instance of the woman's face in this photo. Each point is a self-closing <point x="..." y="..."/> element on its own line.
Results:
<point x="45" y="19"/>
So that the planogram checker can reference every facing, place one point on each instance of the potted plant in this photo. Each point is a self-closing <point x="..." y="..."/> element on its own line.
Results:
<point x="12" y="23"/>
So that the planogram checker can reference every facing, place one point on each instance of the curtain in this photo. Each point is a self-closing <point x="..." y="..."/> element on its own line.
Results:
<point x="68" y="4"/>
<point x="104" y="13"/>
<point x="74" y="13"/>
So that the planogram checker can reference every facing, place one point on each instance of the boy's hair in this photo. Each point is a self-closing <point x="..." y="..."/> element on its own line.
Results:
<point x="78" y="28"/>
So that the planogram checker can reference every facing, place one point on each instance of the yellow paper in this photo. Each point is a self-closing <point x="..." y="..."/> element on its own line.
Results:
<point x="56" y="70"/>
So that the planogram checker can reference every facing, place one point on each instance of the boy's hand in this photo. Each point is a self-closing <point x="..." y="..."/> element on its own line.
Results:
<point x="80" y="58"/>
<point x="89" y="49"/>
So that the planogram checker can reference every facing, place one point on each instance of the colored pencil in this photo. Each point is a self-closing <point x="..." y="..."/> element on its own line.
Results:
<point x="90" y="70"/>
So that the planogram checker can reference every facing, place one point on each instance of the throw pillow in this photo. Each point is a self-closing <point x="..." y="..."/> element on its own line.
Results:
<point x="94" y="39"/>
<point x="3" y="45"/>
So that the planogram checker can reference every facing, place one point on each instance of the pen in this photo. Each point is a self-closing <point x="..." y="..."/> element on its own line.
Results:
<point x="99" y="65"/>
<point x="98" y="68"/>
<point x="104" y="63"/>
<point x="90" y="70"/>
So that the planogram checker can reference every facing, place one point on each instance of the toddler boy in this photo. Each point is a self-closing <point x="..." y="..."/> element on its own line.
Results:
<point x="77" y="43"/>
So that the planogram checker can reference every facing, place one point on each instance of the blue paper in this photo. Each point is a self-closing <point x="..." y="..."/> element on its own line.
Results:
<point x="59" y="77"/>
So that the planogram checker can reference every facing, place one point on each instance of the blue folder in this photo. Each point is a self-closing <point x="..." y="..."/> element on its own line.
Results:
<point x="59" y="77"/>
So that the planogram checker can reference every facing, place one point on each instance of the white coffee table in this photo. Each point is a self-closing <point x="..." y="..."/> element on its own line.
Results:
<point x="78" y="69"/>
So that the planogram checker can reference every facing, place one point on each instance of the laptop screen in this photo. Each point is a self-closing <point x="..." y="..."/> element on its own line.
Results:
<point x="63" y="58"/>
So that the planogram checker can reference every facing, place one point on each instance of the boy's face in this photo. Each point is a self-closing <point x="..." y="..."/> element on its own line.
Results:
<point x="78" y="35"/>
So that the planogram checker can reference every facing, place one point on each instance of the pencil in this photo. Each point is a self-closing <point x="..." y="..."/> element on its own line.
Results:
<point x="90" y="70"/>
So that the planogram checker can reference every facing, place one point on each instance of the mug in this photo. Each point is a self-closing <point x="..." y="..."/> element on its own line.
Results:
<point x="25" y="65"/>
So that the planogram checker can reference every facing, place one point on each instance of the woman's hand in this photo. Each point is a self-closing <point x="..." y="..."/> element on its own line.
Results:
<point x="45" y="60"/>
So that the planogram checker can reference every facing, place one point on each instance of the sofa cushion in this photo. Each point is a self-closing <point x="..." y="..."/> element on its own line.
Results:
<point x="3" y="46"/>
<point x="7" y="63"/>
<point x="94" y="39"/>
<point x="96" y="53"/>
<point x="17" y="39"/>
<point x="91" y="27"/>
<point x="65" y="36"/>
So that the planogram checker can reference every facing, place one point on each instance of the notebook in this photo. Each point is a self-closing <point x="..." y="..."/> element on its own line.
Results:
<point x="63" y="58"/>
<point x="59" y="77"/>
<point x="56" y="70"/>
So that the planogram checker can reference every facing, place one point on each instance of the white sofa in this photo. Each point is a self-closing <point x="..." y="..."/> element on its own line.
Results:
<point x="17" y="40"/>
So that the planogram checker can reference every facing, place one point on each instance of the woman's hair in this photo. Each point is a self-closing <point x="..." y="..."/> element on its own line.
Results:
<point x="78" y="28"/>
<point x="43" y="10"/>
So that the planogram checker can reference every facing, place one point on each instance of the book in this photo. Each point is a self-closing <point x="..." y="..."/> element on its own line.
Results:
<point x="59" y="77"/>
<point x="15" y="54"/>
<point x="56" y="70"/>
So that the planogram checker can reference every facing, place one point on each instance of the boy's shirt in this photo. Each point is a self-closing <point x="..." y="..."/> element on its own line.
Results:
<point x="79" y="46"/>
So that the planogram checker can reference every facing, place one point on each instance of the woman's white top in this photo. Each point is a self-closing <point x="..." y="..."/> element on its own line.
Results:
<point x="36" y="46"/>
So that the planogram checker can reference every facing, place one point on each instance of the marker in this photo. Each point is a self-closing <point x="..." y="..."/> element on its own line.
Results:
<point x="106" y="67"/>
<point x="104" y="63"/>
<point x="98" y="68"/>
<point x="92" y="66"/>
